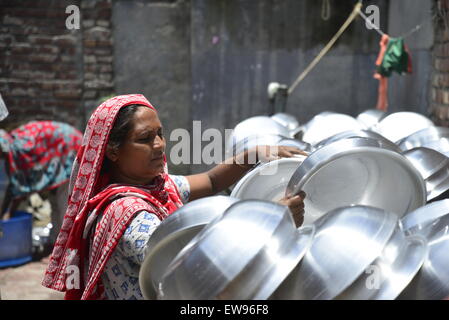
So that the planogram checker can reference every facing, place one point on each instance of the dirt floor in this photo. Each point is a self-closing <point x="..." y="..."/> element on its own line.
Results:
<point x="24" y="282"/>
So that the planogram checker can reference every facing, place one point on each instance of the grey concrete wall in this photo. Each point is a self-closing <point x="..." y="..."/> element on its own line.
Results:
<point x="152" y="57"/>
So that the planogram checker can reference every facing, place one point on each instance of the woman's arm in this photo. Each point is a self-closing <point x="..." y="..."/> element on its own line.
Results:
<point x="230" y="171"/>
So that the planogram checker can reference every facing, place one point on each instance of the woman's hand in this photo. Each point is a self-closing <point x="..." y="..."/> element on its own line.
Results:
<point x="270" y="153"/>
<point x="296" y="206"/>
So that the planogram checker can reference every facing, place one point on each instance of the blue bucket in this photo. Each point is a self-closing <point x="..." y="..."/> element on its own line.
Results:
<point x="15" y="240"/>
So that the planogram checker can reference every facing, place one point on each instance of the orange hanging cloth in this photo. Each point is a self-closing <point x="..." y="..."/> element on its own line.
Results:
<point x="382" y="95"/>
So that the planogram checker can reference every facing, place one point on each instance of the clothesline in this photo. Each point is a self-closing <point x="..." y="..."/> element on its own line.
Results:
<point x="356" y="11"/>
<point x="405" y="35"/>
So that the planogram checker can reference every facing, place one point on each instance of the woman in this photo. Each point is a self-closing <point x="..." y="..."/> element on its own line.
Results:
<point x="38" y="156"/>
<point x="120" y="192"/>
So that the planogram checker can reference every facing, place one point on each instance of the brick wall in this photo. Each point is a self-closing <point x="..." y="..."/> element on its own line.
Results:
<point x="440" y="75"/>
<point x="48" y="71"/>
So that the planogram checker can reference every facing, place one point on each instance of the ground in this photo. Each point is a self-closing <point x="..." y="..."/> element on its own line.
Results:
<point x="24" y="282"/>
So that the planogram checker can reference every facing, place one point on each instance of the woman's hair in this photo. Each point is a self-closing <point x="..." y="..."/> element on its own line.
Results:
<point x="122" y="125"/>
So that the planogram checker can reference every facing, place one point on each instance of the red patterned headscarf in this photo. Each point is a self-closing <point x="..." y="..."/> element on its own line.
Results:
<point x="72" y="268"/>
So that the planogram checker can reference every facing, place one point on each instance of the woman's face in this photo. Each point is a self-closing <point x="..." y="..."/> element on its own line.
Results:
<point x="141" y="157"/>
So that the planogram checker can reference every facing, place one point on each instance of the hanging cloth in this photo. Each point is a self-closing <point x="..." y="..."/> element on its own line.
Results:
<point x="393" y="56"/>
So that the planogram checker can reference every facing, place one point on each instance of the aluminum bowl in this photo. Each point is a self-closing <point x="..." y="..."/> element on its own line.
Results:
<point x="392" y="271"/>
<point x="436" y="138"/>
<point x="347" y="240"/>
<point x="427" y="220"/>
<point x="253" y="126"/>
<point x="173" y="234"/>
<point x="369" y="118"/>
<point x="433" y="167"/>
<point x="327" y="124"/>
<point x="355" y="134"/>
<point x="245" y="254"/>
<point x="287" y="120"/>
<point x="432" y="281"/>
<point x="267" y="181"/>
<point x="357" y="171"/>
<point x="399" y="125"/>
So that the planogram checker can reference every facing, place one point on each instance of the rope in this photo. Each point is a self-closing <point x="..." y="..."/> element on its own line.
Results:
<point x="348" y="21"/>
<point x="325" y="10"/>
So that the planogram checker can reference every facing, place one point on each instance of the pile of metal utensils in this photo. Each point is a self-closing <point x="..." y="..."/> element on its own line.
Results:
<point x="376" y="223"/>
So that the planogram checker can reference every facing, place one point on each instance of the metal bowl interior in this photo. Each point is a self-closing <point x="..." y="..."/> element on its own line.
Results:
<point x="392" y="271"/>
<point x="326" y="125"/>
<point x="262" y="247"/>
<point x="268" y="181"/>
<point x="173" y="234"/>
<point x="399" y="125"/>
<point x="369" y="118"/>
<point x="432" y="137"/>
<point x="346" y="241"/>
<point x="432" y="281"/>
<point x="355" y="134"/>
<point x="357" y="171"/>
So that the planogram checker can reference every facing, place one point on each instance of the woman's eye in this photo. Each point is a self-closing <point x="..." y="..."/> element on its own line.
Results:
<point x="160" y="133"/>
<point x="145" y="139"/>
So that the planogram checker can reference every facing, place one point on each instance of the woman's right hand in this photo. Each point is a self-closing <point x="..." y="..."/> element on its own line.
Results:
<point x="296" y="206"/>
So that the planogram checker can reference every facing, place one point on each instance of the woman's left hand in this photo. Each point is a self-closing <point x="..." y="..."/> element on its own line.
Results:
<point x="269" y="153"/>
<point x="296" y="206"/>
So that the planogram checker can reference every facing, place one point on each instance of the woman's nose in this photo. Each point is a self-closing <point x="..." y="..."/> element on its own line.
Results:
<point x="159" y="143"/>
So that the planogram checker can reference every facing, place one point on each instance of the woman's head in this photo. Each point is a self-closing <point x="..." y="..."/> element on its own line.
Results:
<point x="136" y="146"/>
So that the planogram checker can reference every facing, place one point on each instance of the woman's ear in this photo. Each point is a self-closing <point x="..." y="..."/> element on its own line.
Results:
<point x="111" y="153"/>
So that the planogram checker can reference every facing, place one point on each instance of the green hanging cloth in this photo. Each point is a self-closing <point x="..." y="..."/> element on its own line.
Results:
<point x="396" y="58"/>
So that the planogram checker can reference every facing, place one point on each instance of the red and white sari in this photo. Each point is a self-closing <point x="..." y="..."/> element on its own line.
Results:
<point x="74" y="268"/>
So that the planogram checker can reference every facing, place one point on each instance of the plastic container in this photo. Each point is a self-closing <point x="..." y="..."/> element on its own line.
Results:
<point x="15" y="240"/>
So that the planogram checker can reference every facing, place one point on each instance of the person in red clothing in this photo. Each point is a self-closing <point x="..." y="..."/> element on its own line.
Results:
<point x="36" y="157"/>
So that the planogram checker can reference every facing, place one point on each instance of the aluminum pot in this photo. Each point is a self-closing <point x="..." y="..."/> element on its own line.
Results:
<point x="369" y="118"/>
<point x="347" y="240"/>
<point x="289" y="121"/>
<point x="392" y="271"/>
<point x="436" y="138"/>
<point x="432" y="281"/>
<point x="245" y="254"/>
<point x="427" y="220"/>
<point x="399" y="125"/>
<point x="355" y="134"/>
<point x="357" y="171"/>
<point x="327" y="124"/>
<point x="173" y="234"/>
<point x="253" y="126"/>
<point x="267" y="181"/>
<point x="433" y="167"/>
